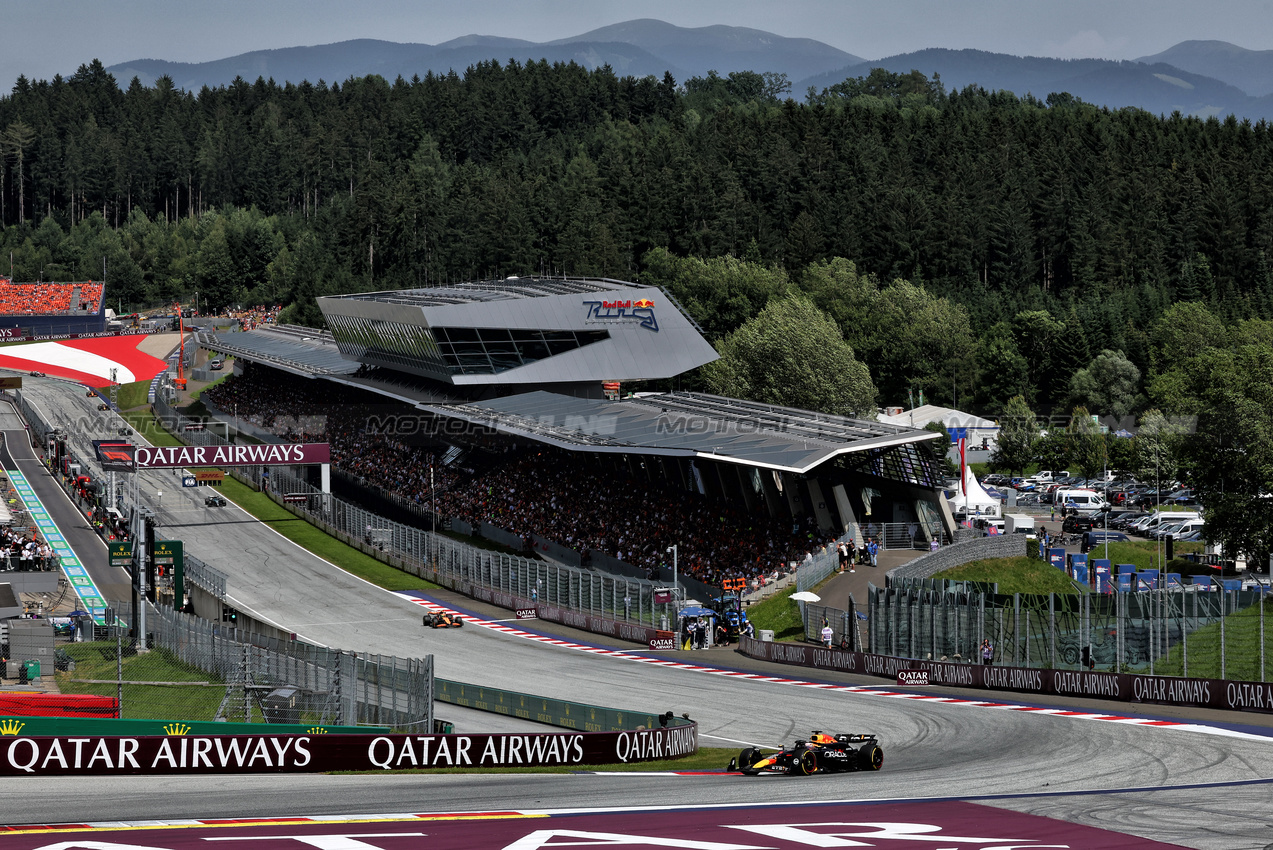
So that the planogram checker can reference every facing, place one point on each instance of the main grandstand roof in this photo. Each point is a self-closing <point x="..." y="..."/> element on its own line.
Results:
<point x="671" y="424"/>
<point x="684" y="425"/>
<point x="309" y="353"/>
<point x="486" y="291"/>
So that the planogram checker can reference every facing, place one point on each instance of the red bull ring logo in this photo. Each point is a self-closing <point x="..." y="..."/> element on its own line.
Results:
<point x="640" y="310"/>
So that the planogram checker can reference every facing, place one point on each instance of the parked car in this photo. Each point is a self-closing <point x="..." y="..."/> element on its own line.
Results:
<point x="1123" y="520"/>
<point x="1076" y="524"/>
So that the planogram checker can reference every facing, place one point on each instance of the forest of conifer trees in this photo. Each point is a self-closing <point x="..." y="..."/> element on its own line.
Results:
<point x="975" y="245"/>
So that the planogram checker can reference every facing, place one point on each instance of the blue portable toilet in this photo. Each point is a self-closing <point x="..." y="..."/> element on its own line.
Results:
<point x="1148" y="580"/>
<point x="1126" y="581"/>
<point x="1101" y="568"/>
<point x="1126" y="568"/>
<point x="1204" y="581"/>
<point x="1173" y="581"/>
<point x="1056" y="557"/>
<point x="1232" y="583"/>
<point x="1078" y="567"/>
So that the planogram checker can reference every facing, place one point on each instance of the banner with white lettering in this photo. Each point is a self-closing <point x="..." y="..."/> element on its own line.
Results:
<point x="279" y="454"/>
<point x="265" y="753"/>
<point x="1124" y="687"/>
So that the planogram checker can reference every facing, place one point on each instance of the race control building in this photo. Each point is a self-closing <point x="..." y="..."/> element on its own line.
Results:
<point x="539" y="360"/>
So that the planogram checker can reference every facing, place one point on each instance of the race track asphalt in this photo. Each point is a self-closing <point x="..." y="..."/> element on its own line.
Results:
<point x="1174" y="785"/>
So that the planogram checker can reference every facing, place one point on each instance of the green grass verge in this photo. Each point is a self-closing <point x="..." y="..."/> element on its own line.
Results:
<point x="96" y="661"/>
<point x="1241" y="644"/>
<point x="779" y="613"/>
<point x="194" y="396"/>
<point x="1014" y="575"/>
<point x="143" y="422"/>
<point x="707" y="758"/>
<point x="133" y="395"/>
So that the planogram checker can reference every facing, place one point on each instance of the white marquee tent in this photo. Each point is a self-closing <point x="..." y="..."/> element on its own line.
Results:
<point x="977" y="503"/>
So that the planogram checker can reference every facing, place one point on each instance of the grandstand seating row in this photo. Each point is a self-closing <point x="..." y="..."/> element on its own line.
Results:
<point x="42" y="299"/>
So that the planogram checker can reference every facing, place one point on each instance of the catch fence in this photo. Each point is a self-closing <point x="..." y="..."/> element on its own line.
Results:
<point x="1186" y="631"/>
<point x="201" y="670"/>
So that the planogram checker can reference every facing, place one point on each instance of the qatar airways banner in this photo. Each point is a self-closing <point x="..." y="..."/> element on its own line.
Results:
<point x="285" y="454"/>
<point x="75" y="755"/>
<point x="1126" y="687"/>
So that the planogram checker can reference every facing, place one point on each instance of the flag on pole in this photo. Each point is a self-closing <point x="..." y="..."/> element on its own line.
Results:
<point x="963" y="466"/>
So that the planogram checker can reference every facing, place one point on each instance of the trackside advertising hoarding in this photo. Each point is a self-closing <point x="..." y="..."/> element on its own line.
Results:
<point x="180" y="457"/>
<point x="266" y="753"/>
<point x="1124" y="687"/>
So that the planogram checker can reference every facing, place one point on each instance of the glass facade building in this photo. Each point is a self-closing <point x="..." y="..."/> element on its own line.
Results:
<point x="520" y="332"/>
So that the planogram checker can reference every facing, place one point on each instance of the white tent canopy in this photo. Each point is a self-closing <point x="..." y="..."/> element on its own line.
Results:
<point x="977" y="502"/>
<point x="957" y="422"/>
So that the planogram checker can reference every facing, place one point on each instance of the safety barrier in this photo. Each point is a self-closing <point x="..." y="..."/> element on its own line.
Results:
<point x="266" y="752"/>
<point x="1124" y="687"/>
<point x="15" y="724"/>
<point x="556" y="712"/>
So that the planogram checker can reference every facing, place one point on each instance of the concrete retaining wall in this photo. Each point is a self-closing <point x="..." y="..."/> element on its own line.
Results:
<point x="929" y="564"/>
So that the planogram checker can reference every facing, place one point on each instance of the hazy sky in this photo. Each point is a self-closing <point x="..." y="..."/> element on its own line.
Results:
<point x="40" y="38"/>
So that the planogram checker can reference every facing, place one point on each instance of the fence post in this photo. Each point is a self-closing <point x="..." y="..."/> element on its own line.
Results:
<point x="1224" y="609"/>
<point x="1052" y="630"/>
<point x="1016" y="627"/>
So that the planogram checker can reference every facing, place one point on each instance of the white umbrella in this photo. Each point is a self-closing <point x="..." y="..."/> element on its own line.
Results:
<point x="806" y="596"/>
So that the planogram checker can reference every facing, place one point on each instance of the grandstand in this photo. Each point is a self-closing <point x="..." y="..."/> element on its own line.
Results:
<point x="49" y="309"/>
<point x="506" y="390"/>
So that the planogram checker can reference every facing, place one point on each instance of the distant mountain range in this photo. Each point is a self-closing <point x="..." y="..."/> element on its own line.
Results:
<point x="1195" y="77"/>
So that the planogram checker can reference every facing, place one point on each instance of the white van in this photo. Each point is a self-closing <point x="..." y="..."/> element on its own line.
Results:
<point x="1163" y="518"/>
<point x="1177" y="529"/>
<point x="1084" y="500"/>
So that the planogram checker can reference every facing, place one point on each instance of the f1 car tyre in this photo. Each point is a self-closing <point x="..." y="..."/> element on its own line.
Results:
<point x="870" y="757"/>
<point x="808" y="764"/>
<point x="748" y="757"/>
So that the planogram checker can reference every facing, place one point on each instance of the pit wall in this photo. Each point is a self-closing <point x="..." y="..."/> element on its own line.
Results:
<point x="1120" y="687"/>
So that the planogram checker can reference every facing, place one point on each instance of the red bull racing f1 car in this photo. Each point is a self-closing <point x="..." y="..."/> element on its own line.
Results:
<point x="822" y="753"/>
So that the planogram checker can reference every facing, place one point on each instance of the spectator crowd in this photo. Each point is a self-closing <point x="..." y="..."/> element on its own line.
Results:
<point x="251" y="318"/>
<point x="586" y="502"/>
<point x="40" y="299"/>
